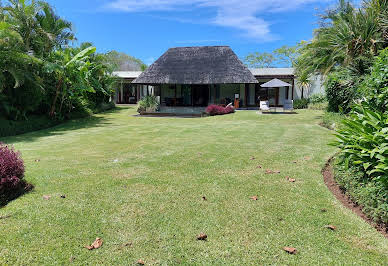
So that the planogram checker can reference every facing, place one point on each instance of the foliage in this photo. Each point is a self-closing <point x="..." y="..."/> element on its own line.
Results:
<point x="368" y="193"/>
<point x="318" y="98"/>
<point x="34" y="122"/>
<point x="375" y="86"/>
<point x="123" y="62"/>
<point x="284" y="56"/>
<point x="318" y="106"/>
<point x="11" y="171"/>
<point x="301" y="103"/>
<point x="260" y="60"/>
<point x="363" y="141"/>
<point x="348" y="37"/>
<point x="341" y="91"/>
<point x="332" y="120"/>
<point x="214" y="109"/>
<point x="39" y="72"/>
<point x="148" y="104"/>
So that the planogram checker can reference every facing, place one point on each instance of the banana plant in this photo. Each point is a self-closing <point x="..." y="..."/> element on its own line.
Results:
<point x="71" y="72"/>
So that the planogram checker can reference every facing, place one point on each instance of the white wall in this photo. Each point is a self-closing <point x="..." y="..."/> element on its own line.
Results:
<point x="316" y="88"/>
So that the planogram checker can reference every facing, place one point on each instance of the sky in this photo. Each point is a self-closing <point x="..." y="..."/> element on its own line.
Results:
<point x="147" y="28"/>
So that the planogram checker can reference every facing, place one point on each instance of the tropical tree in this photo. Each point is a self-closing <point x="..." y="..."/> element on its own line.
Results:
<point x="71" y="72"/>
<point x="347" y="37"/>
<point x="304" y="82"/>
<point x="55" y="32"/>
<point x="22" y="16"/>
<point x="260" y="60"/>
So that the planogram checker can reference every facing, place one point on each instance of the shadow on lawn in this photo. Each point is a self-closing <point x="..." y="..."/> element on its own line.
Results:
<point x="7" y="197"/>
<point x="75" y="124"/>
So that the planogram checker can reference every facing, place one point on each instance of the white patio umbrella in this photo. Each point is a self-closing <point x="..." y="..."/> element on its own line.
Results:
<point x="275" y="83"/>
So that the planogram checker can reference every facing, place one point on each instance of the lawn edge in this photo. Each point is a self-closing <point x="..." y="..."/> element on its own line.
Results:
<point x="335" y="189"/>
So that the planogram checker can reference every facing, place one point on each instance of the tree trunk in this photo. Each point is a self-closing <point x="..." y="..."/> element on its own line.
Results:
<point x="53" y="105"/>
<point x="302" y="93"/>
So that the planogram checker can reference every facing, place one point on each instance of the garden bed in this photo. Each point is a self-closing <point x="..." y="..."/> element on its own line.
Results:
<point x="340" y="194"/>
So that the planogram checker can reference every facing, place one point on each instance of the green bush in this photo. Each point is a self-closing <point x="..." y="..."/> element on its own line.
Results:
<point x="33" y="123"/>
<point x="318" y="106"/>
<point x="375" y="86"/>
<point x="317" y="98"/>
<point x="147" y="104"/>
<point x="301" y="103"/>
<point x="363" y="141"/>
<point x="340" y="91"/>
<point x="368" y="193"/>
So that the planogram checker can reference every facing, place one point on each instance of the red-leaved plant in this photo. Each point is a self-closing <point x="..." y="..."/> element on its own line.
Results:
<point x="219" y="110"/>
<point x="11" y="170"/>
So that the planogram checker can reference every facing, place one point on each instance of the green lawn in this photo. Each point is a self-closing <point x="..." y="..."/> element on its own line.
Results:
<point x="138" y="184"/>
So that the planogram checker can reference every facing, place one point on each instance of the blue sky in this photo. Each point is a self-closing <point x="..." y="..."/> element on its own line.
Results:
<point x="147" y="28"/>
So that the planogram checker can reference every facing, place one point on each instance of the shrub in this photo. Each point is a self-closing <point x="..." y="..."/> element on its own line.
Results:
<point x="317" y="98"/>
<point x="340" y="91"/>
<point x="229" y="109"/>
<point x="363" y="141"/>
<point x="11" y="172"/>
<point x="301" y="103"/>
<point x="147" y="104"/>
<point x="375" y="86"/>
<point x="370" y="194"/>
<point x="318" y="106"/>
<point x="219" y="110"/>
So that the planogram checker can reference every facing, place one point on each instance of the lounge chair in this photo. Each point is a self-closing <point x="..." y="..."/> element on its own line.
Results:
<point x="264" y="106"/>
<point x="288" y="105"/>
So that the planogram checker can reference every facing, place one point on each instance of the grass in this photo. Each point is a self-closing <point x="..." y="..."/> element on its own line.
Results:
<point x="332" y="120"/>
<point x="138" y="184"/>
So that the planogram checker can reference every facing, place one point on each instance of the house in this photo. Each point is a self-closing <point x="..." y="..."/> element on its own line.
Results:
<point x="198" y="76"/>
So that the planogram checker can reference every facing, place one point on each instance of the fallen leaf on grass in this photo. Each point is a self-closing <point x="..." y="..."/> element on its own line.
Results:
<point x="259" y="167"/>
<point x="202" y="236"/>
<point x="253" y="158"/>
<point x="294" y="162"/>
<point x="5" y="217"/>
<point x="71" y="259"/>
<point x="46" y="197"/>
<point x="37" y="160"/>
<point x="199" y="153"/>
<point x="140" y="262"/>
<point x="323" y="210"/>
<point x="96" y="244"/>
<point x="63" y="196"/>
<point x="204" y="198"/>
<point x="268" y="171"/>
<point x="331" y="227"/>
<point x="292" y="180"/>
<point x="307" y="158"/>
<point x="290" y="250"/>
<point x="254" y="198"/>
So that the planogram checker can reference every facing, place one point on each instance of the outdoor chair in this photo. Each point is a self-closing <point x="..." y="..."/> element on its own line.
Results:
<point x="264" y="106"/>
<point x="288" y="105"/>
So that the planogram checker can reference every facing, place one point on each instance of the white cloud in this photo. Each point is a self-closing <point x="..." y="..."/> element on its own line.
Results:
<point x="243" y="15"/>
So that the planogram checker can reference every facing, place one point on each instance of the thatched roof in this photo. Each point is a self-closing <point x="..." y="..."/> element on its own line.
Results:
<point x="197" y="65"/>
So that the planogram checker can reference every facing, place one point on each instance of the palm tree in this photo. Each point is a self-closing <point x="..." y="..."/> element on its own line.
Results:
<point x="55" y="31"/>
<point x="22" y="16"/>
<point x="347" y="37"/>
<point x="304" y="82"/>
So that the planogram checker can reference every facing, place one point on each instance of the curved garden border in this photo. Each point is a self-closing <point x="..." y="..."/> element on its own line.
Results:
<point x="328" y="177"/>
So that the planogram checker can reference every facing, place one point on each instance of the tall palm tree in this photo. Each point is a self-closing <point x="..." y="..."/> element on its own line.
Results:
<point x="347" y="37"/>
<point x="55" y="31"/>
<point x="22" y="15"/>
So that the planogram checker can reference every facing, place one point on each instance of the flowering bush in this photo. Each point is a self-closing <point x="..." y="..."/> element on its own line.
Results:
<point x="11" y="172"/>
<point x="219" y="110"/>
